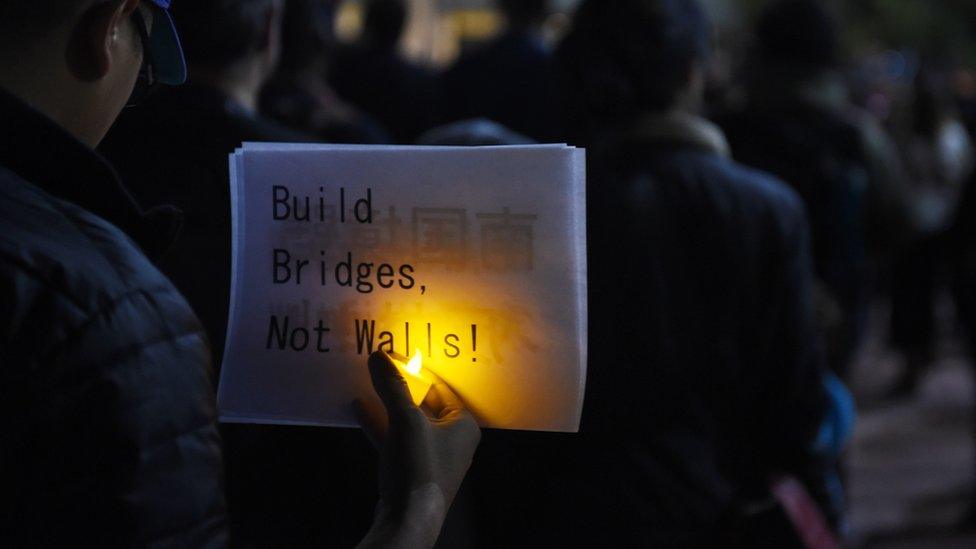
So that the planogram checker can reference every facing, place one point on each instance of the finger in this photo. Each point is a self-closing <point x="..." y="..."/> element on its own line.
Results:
<point x="372" y="420"/>
<point x="389" y="384"/>
<point x="441" y="400"/>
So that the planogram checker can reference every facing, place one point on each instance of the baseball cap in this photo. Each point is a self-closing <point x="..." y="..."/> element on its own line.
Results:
<point x="165" y="49"/>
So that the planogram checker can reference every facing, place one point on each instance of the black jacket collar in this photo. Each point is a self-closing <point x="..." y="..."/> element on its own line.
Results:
<point x="46" y="155"/>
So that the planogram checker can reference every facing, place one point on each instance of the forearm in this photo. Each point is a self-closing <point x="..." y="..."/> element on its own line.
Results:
<point x="416" y="526"/>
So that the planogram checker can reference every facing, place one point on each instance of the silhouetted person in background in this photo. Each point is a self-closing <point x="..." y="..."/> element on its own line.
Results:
<point x="510" y="80"/>
<point x="375" y="77"/>
<point x="962" y="260"/>
<point x="939" y="159"/>
<point x="299" y="95"/>
<point x="800" y="125"/>
<point x="185" y="134"/>
<point x="173" y="150"/>
<point x="473" y="133"/>
<point x="963" y="247"/>
<point x="706" y="264"/>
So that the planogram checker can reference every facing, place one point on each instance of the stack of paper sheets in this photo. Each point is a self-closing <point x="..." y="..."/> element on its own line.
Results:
<point x="475" y="257"/>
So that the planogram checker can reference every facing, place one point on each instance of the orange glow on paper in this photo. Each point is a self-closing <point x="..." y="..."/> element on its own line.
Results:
<point x="490" y="356"/>
<point x="480" y="365"/>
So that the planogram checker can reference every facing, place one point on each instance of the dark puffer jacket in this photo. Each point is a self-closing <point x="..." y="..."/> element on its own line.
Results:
<point x="107" y="399"/>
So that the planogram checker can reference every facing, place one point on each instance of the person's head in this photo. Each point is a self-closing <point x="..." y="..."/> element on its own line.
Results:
<point x="384" y="22"/>
<point x="799" y="35"/>
<point x="932" y="102"/>
<point x="230" y="39"/>
<point x="306" y="35"/>
<point x="524" y="13"/>
<point x="77" y="61"/>
<point x="624" y="57"/>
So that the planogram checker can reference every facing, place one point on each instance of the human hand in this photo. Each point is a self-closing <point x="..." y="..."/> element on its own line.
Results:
<point x="424" y="454"/>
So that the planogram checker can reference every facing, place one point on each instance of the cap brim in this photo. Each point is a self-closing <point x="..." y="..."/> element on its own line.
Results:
<point x="167" y="53"/>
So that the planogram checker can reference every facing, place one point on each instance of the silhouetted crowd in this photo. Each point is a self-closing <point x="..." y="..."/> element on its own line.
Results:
<point x="741" y="231"/>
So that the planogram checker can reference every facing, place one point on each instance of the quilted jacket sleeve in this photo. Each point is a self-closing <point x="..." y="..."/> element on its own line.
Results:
<point x="111" y="419"/>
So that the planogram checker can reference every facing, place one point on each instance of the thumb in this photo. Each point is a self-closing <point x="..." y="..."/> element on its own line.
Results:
<point x="372" y="420"/>
<point x="441" y="400"/>
<point x="389" y="384"/>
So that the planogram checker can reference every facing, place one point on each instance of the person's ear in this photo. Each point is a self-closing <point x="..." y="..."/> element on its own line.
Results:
<point x="98" y="34"/>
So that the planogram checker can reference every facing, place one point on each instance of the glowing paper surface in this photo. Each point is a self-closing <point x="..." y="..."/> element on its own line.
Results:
<point x="475" y="256"/>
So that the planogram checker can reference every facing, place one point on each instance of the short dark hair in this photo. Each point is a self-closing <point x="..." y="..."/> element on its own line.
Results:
<point x="384" y="21"/>
<point x="306" y="33"/>
<point x="627" y="56"/>
<point x="524" y="12"/>
<point x="217" y="33"/>
<point x="798" y="33"/>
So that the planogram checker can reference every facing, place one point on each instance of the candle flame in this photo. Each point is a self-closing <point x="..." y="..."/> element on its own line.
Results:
<point x="414" y="365"/>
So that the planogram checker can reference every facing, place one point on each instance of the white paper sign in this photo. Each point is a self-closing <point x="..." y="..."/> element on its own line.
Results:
<point x="473" y="256"/>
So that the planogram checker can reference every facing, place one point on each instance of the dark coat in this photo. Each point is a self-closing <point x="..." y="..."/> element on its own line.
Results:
<point x="704" y="376"/>
<point x="511" y="81"/>
<point x="402" y="96"/>
<point x="173" y="150"/>
<point x="109" y="419"/>
<point x="963" y="250"/>
<point x="845" y="168"/>
<point x="282" y="482"/>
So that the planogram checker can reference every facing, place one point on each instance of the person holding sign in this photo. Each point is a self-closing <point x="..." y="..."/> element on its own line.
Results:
<point x="108" y="408"/>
